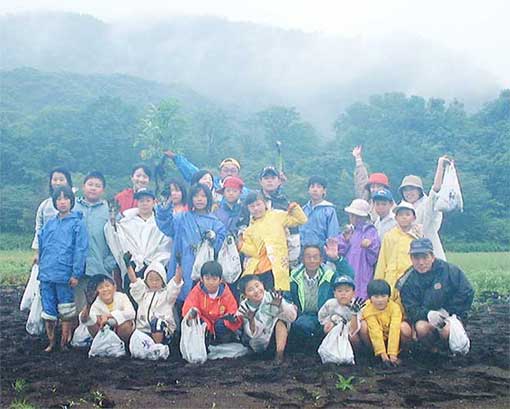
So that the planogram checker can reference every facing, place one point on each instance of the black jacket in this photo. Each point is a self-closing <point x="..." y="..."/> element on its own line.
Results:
<point x="444" y="286"/>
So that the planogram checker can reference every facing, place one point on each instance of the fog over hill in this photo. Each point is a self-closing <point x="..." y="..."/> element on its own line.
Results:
<point x="245" y="64"/>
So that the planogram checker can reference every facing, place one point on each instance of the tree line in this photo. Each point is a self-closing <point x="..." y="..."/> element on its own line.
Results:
<point x="400" y="134"/>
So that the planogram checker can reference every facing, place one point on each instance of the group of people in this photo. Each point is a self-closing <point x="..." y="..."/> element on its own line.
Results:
<point x="134" y="266"/>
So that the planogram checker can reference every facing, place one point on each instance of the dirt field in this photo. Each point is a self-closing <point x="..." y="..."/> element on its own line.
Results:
<point x="64" y="380"/>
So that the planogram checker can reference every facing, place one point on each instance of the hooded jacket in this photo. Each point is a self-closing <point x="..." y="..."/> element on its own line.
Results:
<point x="211" y="310"/>
<point x="297" y="292"/>
<point x="63" y="246"/>
<point x="99" y="258"/>
<point x="361" y="259"/>
<point x="229" y="216"/>
<point x="444" y="286"/>
<point x="154" y="304"/>
<point x="266" y="238"/>
<point x="322" y="224"/>
<point x="142" y="238"/>
<point x="122" y="310"/>
<point x="187" y="230"/>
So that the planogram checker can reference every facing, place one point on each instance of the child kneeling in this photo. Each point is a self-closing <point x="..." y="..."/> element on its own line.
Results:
<point x="155" y="299"/>
<point x="343" y="309"/>
<point x="265" y="312"/>
<point x="109" y="308"/>
<point x="382" y="327"/>
<point x="212" y="302"/>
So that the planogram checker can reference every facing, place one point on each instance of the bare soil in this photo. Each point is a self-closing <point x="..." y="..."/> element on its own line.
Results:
<point x="64" y="380"/>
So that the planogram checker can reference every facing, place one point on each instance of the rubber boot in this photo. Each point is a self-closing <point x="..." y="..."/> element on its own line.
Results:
<point x="50" y="332"/>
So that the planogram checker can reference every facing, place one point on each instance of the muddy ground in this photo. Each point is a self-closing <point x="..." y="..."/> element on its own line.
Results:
<point x="64" y="380"/>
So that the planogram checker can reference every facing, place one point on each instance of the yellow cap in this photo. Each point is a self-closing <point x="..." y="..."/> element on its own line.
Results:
<point x="231" y="161"/>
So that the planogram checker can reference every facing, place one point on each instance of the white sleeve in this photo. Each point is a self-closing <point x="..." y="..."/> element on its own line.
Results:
<point x="137" y="289"/>
<point x="288" y="312"/>
<point x="173" y="290"/>
<point x="432" y="219"/>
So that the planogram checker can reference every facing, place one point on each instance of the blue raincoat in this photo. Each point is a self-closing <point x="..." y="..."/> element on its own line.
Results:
<point x="322" y="224"/>
<point x="63" y="246"/>
<point x="187" y="230"/>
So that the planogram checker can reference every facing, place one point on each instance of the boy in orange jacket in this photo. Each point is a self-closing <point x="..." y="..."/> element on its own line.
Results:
<point x="213" y="302"/>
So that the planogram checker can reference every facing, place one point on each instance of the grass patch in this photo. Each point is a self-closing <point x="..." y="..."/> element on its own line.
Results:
<point x="15" y="266"/>
<point x="487" y="272"/>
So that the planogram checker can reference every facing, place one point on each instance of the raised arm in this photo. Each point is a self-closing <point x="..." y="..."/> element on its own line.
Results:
<point x="360" y="175"/>
<point x="184" y="166"/>
<point x="164" y="215"/>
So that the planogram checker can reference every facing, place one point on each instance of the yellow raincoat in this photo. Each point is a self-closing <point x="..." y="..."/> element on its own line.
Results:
<point x="384" y="326"/>
<point x="394" y="259"/>
<point x="265" y="238"/>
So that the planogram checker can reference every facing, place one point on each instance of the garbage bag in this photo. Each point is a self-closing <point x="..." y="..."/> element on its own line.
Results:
<point x="458" y="340"/>
<point x="336" y="347"/>
<point x="230" y="261"/>
<point x="205" y="253"/>
<point x="107" y="343"/>
<point x="142" y="346"/>
<point x="30" y="290"/>
<point x="81" y="337"/>
<point x="449" y="196"/>
<point x="192" y="343"/>
<point x="35" y="323"/>
<point x="229" y="350"/>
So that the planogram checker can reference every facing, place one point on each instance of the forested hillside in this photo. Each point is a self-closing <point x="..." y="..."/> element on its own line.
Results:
<point x="88" y="122"/>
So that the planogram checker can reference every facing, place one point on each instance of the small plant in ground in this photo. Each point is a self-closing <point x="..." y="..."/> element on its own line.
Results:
<point x="20" y="386"/>
<point x="344" y="384"/>
<point x="21" y="404"/>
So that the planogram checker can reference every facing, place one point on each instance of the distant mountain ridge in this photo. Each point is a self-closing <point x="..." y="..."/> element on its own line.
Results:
<point x="245" y="64"/>
<point x="26" y="91"/>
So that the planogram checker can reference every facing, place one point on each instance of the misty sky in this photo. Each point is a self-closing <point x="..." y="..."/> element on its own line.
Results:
<point x="477" y="29"/>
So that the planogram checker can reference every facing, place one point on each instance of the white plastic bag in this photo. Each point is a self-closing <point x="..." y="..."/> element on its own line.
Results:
<point x="438" y="318"/>
<point x="81" y="337"/>
<point x="458" y="340"/>
<point x="35" y="323"/>
<point x="192" y="343"/>
<point x="107" y="343"/>
<point x="142" y="346"/>
<point x="229" y="259"/>
<point x="30" y="290"/>
<point x="229" y="350"/>
<point x="205" y="253"/>
<point x="336" y="347"/>
<point x="449" y="196"/>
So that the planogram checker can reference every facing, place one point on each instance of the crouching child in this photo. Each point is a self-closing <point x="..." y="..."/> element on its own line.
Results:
<point x="343" y="309"/>
<point x="265" y="313"/>
<point x="382" y="327"/>
<point x="214" y="304"/>
<point x="107" y="306"/>
<point x="155" y="298"/>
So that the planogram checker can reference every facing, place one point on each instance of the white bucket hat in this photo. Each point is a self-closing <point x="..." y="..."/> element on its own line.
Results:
<point x="404" y="205"/>
<point x="358" y="207"/>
